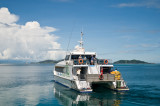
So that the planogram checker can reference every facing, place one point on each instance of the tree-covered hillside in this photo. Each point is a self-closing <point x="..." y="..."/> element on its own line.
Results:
<point x="130" y="62"/>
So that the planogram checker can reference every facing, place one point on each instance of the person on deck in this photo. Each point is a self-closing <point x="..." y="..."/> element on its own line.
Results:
<point x="85" y="60"/>
<point x="80" y="57"/>
<point x="92" y="60"/>
<point x="78" y="72"/>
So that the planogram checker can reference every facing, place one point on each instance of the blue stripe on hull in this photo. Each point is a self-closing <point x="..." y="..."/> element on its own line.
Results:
<point x="60" y="84"/>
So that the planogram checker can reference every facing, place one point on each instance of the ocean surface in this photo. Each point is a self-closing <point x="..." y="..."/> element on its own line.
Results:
<point x="33" y="85"/>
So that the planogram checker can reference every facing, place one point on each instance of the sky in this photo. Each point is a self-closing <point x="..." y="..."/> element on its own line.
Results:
<point x="114" y="29"/>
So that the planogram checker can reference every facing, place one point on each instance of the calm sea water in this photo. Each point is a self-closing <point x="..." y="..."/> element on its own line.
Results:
<point x="33" y="85"/>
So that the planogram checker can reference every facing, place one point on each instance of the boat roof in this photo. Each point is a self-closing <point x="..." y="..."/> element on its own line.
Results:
<point x="83" y="53"/>
<point x="79" y="50"/>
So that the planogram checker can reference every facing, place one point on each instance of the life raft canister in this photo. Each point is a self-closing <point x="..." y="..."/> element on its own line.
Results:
<point x="80" y="61"/>
<point x="117" y="75"/>
<point x="105" y="61"/>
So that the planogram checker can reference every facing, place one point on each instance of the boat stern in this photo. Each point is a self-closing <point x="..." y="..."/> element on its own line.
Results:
<point x="85" y="90"/>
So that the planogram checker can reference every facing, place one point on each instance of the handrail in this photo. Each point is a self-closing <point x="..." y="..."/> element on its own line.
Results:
<point x="88" y="62"/>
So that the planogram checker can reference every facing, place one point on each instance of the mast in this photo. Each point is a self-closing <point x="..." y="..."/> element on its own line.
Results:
<point x="80" y="48"/>
<point x="81" y="41"/>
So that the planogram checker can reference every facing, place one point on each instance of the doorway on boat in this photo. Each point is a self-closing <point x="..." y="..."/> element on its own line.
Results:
<point x="80" y="73"/>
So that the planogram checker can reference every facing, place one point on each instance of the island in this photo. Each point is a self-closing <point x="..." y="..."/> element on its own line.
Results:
<point x="117" y="62"/>
<point x="131" y="62"/>
<point x="49" y="61"/>
<point x="56" y="61"/>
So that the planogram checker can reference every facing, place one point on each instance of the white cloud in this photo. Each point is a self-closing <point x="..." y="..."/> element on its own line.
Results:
<point x="153" y="45"/>
<point x="128" y="5"/>
<point x="7" y="17"/>
<point x="142" y="3"/>
<point x="29" y="41"/>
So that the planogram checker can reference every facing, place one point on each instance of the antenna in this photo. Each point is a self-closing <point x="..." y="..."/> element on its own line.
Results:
<point x="81" y="41"/>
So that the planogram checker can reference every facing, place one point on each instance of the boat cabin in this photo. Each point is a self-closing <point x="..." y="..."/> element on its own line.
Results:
<point x="83" y="62"/>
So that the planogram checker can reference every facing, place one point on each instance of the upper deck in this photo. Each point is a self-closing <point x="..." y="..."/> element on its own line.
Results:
<point x="87" y="58"/>
<point x="82" y="53"/>
<point x="80" y="57"/>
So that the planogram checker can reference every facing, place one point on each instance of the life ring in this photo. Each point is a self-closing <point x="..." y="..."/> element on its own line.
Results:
<point x="101" y="77"/>
<point x="105" y="61"/>
<point x="80" y="61"/>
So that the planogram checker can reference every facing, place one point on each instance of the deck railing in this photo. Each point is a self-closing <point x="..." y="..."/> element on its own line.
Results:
<point x="88" y="62"/>
<point x="95" y="77"/>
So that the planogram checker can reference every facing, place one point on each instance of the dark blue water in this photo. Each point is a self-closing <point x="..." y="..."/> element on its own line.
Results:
<point x="33" y="85"/>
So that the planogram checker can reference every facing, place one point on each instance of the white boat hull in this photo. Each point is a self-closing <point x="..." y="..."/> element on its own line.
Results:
<point x="70" y="84"/>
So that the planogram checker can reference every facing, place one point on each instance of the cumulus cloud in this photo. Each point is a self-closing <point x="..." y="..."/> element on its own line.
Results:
<point x="7" y="17"/>
<point x="29" y="41"/>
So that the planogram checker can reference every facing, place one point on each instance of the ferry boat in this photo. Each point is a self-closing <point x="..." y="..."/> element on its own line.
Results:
<point x="83" y="71"/>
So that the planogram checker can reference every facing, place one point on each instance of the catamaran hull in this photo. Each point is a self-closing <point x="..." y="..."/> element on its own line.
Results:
<point x="63" y="81"/>
<point x="70" y="84"/>
<point x="74" y="85"/>
<point x="107" y="85"/>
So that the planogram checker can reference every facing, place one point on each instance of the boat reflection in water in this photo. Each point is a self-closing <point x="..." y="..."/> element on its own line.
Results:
<point x="68" y="97"/>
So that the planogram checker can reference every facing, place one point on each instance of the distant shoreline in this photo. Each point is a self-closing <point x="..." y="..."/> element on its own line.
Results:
<point x="117" y="62"/>
<point x="131" y="62"/>
<point x="56" y="61"/>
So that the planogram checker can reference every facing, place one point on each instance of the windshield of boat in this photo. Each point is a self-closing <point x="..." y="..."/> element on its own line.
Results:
<point x="83" y="56"/>
<point x="107" y="70"/>
<point x="67" y="57"/>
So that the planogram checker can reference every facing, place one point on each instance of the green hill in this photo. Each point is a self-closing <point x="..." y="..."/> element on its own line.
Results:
<point x="131" y="62"/>
<point x="49" y="61"/>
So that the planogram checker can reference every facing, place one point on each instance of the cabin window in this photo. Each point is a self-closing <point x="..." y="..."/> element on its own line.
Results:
<point x="107" y="70"/>
<point x="67" y="57"/>
<point x="77" y="56"/>
<point x="59" y="69"/>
